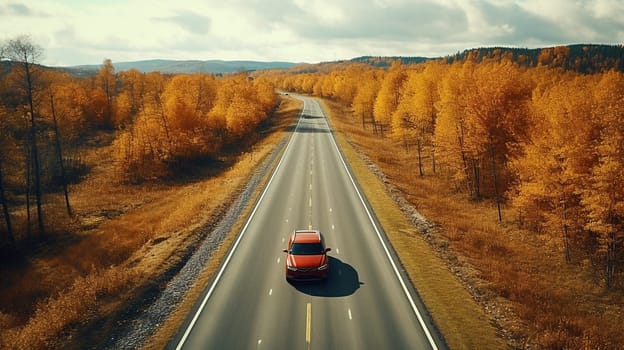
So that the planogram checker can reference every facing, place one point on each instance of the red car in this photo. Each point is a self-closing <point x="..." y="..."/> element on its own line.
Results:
<point x="306" y="256"/>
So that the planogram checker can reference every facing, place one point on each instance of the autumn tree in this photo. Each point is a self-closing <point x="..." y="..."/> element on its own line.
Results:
<point x="388" y="96"/>
<point x="414" y="119"/>
<point x="71" y="101"/>
<point x="238" y="106"/>
<point x="603" y="198"/>
<point x="346" y="82"/>
<point x="59" y="148"/>
<point x="451" y="125"/>
<point x="482" y="117"/>
<point x="557" y="158"/>
<point x="187" y="100"/>
<point x="106" y="87"/>
<point x="145" y="146"/>
<point x="3" y="150"/>
<point x="189" y="117"/>
<point x="133" y="87"/>
<point x="4" y="136"/>
<point x="365" y="96"/>
<point x="24" y="55"/>
<point x="408" y="125"/>
<point x="497" y="116"/>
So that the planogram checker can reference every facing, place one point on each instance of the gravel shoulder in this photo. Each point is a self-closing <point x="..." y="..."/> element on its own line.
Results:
<point x="143" y="324"/>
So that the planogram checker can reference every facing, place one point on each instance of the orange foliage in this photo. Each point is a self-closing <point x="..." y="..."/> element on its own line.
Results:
<point x="536" y="139"/>
<point x="189" y="117"/>
<point x="389" y="94"/>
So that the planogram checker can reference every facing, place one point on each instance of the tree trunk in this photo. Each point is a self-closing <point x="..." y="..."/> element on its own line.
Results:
<point x="406" y="143"/>
<point x="59" y="153"/>
<point x="433" y="159"/>
<point x="610" y="260"/>
<point x="28" y="187"/>
<point x="5" y="210"/>
<point x="460" y="140"/>
<point x="163" y="118"/>
<point x="420" y="165"/>
<point x="35" y="152"/>
<point x="564" y="225"/>
<point x="432" y="131"/>
<point x="476" y="184"/>
<point x="494" y="178"/>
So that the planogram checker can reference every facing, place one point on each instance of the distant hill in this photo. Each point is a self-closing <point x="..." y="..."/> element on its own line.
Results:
<point x="185" y="66"/>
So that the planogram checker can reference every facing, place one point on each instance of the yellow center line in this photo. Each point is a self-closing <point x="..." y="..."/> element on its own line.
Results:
<point x="310" y="195"/>
<point x="308" y="323"/>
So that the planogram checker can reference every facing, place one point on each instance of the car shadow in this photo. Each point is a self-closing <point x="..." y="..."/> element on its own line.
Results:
<point x="342" y="281"/>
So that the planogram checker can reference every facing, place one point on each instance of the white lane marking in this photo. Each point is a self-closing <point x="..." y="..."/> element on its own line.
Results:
<point x="350" y="317"/>
<point x="286" y="220"/>
<point x="330" y="210"/>
<point x="333" y="227"/>
<point x="278" y="260"/>
<point x="283" y="239"/>
<point x="310" y="187"/>
<point x="270" y="291"/>
<point x="337" y="251"/>
<point x="308" y="324"/>
<point x="259" y="341"/>
<point x="187" y="332"/>
<point x="310" y="202"/>
<point x="383" y="244"/>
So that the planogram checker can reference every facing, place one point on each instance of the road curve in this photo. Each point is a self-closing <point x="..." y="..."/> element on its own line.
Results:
<point x="366" y="302"/>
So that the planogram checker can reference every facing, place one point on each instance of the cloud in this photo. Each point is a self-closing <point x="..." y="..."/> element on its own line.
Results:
<point x="394" y="22"/>
<point x="189" y="21"/>
<point x="510" y="24"/>
<point x="303" y="30"/>
<point x="18" y="9"/>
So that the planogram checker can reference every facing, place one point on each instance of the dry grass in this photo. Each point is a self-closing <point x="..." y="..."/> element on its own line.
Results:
<point x="519" y="279"/>
<point x="123" y="238"/>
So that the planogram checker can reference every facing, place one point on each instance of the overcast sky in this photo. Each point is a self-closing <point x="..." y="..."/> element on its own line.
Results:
<point x="75" y="32"/>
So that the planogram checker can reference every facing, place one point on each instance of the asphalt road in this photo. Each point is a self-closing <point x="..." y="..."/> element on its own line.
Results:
<point x="364" y="304"/>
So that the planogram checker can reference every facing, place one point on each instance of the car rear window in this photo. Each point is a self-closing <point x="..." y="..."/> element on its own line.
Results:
<point x="307" y="249"/>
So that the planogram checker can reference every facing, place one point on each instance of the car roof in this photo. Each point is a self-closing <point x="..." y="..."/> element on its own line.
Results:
<point x="307" y="236"/>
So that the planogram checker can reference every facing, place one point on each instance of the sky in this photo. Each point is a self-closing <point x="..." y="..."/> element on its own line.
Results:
<point x="74" y="32"/>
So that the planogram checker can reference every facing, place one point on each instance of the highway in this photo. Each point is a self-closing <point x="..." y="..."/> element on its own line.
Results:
<point x="366" y="303"/>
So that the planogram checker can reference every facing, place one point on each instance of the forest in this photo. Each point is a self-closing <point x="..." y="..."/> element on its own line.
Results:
<point x="545" y="140"/>
<point x="519" y="168"/>
<point x="158" y="123"/>
<point x="538" y="136"/>
<point x="104" y="181"/>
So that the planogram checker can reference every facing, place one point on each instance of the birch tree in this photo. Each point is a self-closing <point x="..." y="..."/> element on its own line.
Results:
<point x="27" y="80"/>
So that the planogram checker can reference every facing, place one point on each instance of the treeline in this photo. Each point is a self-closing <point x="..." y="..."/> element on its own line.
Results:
<point x="157" y="122"/>
<point x="166" y="120"/>
<point x="387" y="61"/>
<point x="579" y="58"/>
<point x="582" y="58"/>
<point x="544" y="141"/>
